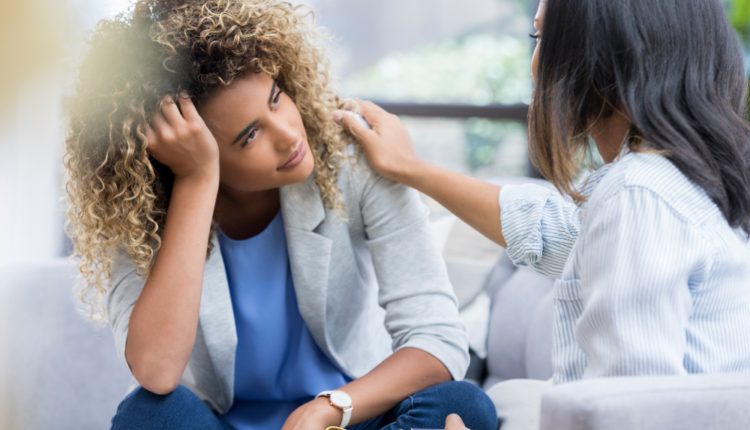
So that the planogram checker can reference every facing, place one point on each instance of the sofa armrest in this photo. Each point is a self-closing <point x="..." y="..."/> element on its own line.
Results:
<point x="706" y="401"/>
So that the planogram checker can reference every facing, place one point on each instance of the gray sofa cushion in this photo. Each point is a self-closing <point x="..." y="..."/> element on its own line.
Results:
<point x="64" y="372"/>
<point x="513" y="314"/>
<point x="709" y="401"/>
<point x="539" y="339"/>
<point x="470" y="258"/>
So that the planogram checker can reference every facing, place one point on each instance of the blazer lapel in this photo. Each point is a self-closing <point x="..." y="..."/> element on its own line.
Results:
<point x="309" y="257"/>
<point x="218" y="329"/>
<point x="309" y="253"/>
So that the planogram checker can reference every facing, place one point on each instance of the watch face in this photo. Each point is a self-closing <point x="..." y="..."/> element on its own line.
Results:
<point x="341" y="399"/>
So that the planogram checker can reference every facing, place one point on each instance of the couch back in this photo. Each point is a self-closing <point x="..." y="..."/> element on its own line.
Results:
<point x="63" y="370"/>
<point x="519" y="341"/>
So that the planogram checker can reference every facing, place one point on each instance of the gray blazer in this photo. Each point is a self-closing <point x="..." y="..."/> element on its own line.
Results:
<point x="366" y="286"/>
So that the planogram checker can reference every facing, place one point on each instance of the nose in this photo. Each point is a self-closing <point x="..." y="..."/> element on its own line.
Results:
<point x="286" y="136"/>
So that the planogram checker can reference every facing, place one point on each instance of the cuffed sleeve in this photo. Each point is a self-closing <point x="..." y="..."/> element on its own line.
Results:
<point x="539" y="227"/>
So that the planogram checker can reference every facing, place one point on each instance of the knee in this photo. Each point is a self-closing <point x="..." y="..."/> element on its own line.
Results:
<point x="142" y="404"/>
<point x="468" y="401"/>
<point x="143" y="398"/>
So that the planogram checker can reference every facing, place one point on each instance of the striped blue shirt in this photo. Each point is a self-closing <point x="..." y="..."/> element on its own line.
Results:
<point x="652" y="280"/>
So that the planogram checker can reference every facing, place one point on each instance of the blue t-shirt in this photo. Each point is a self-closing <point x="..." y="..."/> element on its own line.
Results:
<point x="278" y="365"/>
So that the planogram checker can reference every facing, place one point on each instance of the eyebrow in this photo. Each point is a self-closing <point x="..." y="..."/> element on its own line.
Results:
<point x="254" y="123"/>
<point x="273" y="91"/>
<point x="245" y="131"/>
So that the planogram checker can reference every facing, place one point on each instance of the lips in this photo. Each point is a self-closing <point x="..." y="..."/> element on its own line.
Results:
<point x="297" y="156"/>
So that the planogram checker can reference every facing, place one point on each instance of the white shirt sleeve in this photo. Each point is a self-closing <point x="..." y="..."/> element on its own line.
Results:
<point x="539" y="227"/>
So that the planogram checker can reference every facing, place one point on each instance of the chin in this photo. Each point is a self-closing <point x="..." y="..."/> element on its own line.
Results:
<point x="303" y="170"/>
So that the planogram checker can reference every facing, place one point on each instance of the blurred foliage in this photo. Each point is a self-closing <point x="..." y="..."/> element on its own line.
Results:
<point x="477" y="69"/>
<point x="738" y="12"/>
<point x="484" y="137"/>
<point x="739" y="15"/>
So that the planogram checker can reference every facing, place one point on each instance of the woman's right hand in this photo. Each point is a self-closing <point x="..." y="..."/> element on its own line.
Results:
<point x="388" y="146"/>
<point x="182" y="141"/>
<point x="164" y="320"/>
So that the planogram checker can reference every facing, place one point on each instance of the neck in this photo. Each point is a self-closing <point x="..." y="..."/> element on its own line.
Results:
<point x="244" y="214"/>
<point x="609" y="135"/>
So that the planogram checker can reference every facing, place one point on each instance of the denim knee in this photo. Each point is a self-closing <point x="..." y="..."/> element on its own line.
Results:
<point x="468" y="401"/>
<point x="180" y="409"/>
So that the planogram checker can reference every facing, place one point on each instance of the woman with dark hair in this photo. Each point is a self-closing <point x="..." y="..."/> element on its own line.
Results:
<point x="653" y="259"/>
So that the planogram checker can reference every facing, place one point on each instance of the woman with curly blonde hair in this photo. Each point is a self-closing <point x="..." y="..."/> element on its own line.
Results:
<point x="255" y="274"/>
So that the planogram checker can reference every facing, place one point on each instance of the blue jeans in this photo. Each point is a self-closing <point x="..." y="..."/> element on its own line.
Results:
<point x="427" y="409"/>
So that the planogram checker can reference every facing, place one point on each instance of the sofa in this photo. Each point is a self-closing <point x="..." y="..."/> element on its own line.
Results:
<point x="61" y="372"/>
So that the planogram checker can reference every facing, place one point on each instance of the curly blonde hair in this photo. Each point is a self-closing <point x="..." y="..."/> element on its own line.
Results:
<point x="118" y="195"/>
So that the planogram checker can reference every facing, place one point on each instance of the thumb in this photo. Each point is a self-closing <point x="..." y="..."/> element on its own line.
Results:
<point x="347" y="120"/>
<point x="454" y="422"/>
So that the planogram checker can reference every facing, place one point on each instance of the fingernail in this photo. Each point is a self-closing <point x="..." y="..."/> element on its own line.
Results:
<point x="338" y="116"/>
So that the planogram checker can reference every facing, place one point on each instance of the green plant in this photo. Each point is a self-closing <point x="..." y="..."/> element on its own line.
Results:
<point x="739" y="15"/>
<point x="484" y="137"/>
<point x="476" y="69"/>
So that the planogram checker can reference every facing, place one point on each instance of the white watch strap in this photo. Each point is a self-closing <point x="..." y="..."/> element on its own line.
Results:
<point x="347" y="416"/>
<point x="347" y="413"/>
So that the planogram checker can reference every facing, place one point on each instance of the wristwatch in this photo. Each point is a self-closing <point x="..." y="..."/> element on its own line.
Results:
<point x="340" y="400"/>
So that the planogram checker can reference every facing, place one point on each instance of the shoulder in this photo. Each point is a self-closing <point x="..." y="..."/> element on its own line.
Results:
<point x="354" y="170"/>
<point x="654" y="179"/>
<point x="358" y="181"/>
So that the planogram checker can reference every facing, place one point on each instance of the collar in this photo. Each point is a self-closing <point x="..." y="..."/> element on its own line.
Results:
<point x="589" y="184"/>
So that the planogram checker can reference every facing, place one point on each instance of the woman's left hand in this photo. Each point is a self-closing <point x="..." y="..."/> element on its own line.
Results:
<point x="317" y="414"/>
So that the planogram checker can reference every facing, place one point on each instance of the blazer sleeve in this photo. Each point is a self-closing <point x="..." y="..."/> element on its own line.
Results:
<point x="125" y="289"/>
<point x="421" y="307"/>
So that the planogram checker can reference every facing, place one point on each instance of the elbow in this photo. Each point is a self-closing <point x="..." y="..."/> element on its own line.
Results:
<point x="158" y="379"/>
<point x="161" y="388"/>
<point x="158" y="384"/>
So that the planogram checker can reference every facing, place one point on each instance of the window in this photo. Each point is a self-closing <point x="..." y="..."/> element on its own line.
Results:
<point x="457" y="73"/>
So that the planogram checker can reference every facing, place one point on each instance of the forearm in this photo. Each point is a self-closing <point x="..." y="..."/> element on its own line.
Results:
<point x="472" y="200"/>
<point x="407" y="371"/>
<point x="391" y="152"/>
<point x="164" y="320"/>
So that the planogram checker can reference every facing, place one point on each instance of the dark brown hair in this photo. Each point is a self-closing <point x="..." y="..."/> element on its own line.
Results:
<point x="673" y="67"/>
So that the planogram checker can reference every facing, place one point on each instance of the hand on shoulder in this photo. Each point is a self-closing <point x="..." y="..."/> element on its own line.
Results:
<point x="388" y="146"/>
